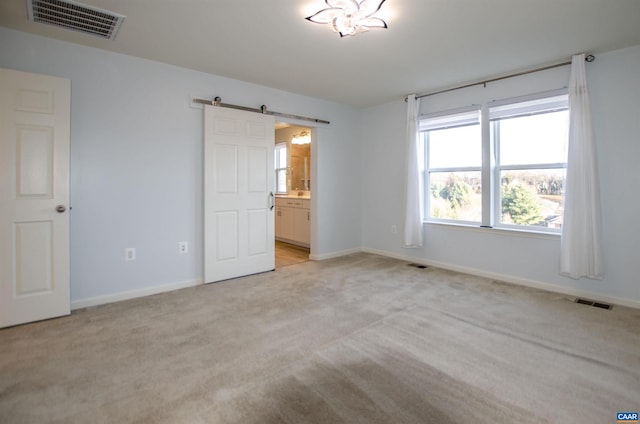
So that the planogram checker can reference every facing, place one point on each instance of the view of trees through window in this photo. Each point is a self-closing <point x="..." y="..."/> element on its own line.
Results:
<point x="456" y="195"/>
<point x="527" y="197"/>
<point x="532" y="197"/>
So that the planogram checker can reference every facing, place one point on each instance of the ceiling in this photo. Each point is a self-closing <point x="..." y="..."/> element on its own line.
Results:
<point x="430" y="44"/>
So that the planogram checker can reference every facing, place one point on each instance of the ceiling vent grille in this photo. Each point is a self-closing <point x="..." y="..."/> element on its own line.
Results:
<point x="75" y="16"/>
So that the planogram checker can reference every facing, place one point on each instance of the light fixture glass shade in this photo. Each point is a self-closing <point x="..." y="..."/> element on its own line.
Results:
<point x="303" y="138"/>
<point x="349" y="17"/>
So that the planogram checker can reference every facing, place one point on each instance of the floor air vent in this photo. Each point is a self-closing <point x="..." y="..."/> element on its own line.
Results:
<point x="592" y="303"/>
<point x="75" y="16"/>
<point x="417" y="266"/>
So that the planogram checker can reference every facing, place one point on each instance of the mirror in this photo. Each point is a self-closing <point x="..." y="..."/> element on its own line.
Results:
<point x="300" y="167"/>
<point x="299" y="159"/>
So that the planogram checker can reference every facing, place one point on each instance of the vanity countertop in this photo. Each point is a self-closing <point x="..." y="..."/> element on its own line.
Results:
<point x="293" y="196"/>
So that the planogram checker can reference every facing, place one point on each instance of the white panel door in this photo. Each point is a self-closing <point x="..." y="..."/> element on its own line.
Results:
<point x="34" y="197"/>
<point x="238" y="198"/>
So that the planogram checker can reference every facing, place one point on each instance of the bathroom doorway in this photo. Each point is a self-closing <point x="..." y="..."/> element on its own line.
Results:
<point x="293" y="194"/>
<point x="290" y="254"/>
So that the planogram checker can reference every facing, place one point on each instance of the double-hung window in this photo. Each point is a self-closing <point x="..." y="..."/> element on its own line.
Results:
<point x="510" y="176"/>
<point x="530" y="139"/>
<point x="453" y="158"/>
<point x="280" y="162"/>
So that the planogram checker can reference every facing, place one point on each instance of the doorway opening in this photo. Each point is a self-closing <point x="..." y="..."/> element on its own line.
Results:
<point x="293" y="194"/>
<point x="290" y="254"/>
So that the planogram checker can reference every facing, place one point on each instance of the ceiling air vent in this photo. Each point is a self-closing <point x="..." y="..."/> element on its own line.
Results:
<point x="75" y="16"/>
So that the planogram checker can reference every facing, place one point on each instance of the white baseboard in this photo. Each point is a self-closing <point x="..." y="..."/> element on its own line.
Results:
<point x="117" y="297"/>
<point x="511" y="279"/>
<point x="332" y="255"/>
<point x="294" y="242"/>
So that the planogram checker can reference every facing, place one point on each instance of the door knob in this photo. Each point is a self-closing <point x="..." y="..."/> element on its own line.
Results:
<point x="61" y="208"/>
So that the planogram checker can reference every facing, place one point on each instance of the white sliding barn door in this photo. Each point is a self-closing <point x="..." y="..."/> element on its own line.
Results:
<point x="34" y="197"/>
<point x="238" y="199"/>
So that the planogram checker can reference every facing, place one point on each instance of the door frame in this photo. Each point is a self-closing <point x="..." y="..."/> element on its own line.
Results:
<point x="314" y="130"/>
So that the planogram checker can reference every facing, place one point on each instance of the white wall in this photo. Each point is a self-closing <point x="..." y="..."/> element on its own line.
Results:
<point x="614" y="81"/>
<point x="136" y="163"/>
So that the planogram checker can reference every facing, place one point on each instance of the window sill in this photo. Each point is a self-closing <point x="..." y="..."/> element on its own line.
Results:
<point x="508" y="232"/>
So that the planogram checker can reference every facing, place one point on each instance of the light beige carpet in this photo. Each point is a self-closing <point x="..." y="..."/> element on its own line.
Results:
<point x="359" y="339"/>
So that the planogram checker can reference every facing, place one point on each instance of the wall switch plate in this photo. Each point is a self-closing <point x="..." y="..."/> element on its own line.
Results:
<point x="183" y="247"/>
<point x="394" y="229"/>
<point x="130" y="254"/>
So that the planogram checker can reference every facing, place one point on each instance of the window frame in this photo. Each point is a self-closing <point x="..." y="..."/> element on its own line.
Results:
<point x="548" y="102"/>
<point x="440" y="121"/>
<point x="277" y="167"/>
<point x="490" y="167"/>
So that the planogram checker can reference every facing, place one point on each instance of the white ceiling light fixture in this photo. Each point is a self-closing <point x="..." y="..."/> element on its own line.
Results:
<point x="349" y="17"/>
<point x="303" y="138"/>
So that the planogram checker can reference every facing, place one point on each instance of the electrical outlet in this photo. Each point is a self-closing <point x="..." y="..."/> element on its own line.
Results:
<point x="130" y="254"/>
<point x="183" y="247"/>
<point x="394" y="229"/>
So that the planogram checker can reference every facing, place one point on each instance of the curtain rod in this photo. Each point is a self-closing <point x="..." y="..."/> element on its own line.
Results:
<point x="588" y="58"/>
<point x="263" y="109"/>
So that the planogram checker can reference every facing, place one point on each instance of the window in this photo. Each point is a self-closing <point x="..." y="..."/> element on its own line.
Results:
<point x="531" y="158"/>
<point x="280" y="164"/>
<point x="523" y="172"/>
<point x="453" y="147"/>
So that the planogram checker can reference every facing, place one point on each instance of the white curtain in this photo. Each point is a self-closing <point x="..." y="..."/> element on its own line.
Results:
<point x="414" y="211"/>
<point x="581" y="250"/>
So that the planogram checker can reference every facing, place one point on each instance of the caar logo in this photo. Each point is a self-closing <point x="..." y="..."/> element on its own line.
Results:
<point x="627" y="417"/>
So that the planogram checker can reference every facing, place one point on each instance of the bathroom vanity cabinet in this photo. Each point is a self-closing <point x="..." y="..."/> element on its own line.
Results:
<point x="293" y="218"/>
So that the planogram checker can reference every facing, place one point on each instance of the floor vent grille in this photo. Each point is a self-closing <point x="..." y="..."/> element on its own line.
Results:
<point x="419" y="266"/>
<point x="593" y="303"/>
<point x="75" y="16"/>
